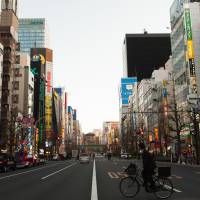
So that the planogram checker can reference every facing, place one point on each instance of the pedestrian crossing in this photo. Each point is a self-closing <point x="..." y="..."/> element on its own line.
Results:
<point x="119" y="175"/>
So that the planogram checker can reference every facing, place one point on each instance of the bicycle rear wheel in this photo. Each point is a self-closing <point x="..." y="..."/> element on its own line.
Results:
<point x="163" y="188"/>
<point x="129" y="187"/>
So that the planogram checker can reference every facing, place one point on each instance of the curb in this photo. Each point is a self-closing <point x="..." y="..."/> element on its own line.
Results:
<point x="182" y="165"/>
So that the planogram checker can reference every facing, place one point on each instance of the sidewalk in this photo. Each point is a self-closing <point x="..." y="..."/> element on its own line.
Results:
<point x="178" y="164"/>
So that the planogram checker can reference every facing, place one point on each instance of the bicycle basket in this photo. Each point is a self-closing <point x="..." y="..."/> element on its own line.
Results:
<point x="131" y="169"/>
<point x="164" y="171"/>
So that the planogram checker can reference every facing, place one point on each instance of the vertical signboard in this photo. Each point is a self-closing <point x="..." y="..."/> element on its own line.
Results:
<point x="127" y="89"/>
<point x="190" y="51"/>
<point x="48" y="99"/>
<point x="156" y="134"/>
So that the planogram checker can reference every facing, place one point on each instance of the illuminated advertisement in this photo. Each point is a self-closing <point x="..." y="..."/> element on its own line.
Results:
<point x="127" y="88"/>
<point x="188" y="28"/>
<point x="190" y="51"/>
<point x="48" y="99"/>
<point x="156" y="134"/>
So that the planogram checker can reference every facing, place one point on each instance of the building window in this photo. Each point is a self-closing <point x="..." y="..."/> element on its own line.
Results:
<point x="16" y="85"/>
<point x="17" y="59"/>
<point x="15" y="98"/>
<point x="16" y="72"/>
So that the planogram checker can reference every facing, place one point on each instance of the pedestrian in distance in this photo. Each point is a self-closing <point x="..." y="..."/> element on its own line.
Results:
<point x="109" y="156"/>
<point x="93" y="156"/>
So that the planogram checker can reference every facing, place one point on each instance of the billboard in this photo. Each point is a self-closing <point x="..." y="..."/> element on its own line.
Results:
<point x="48" y="99"/>
<point x="127" y="89"/>
<point x="190" y="50"/>
<point x="70" y="109"/>
<point x="42" y="68"/>
<point x="58" y="91"/>
<point x="74" y="114"/>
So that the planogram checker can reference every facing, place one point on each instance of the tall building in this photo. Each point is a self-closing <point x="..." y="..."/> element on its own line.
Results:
<point x="33" y="33"/>
<point x="184" y="19"/>
<point x="62" y="112"/>
<point x="42" y="68"/>
<point x="22" y="96"/>
<point x="1" y="73"/>
<point x="143" y="53"/>
<point x="23" y="85"/>
<point x="9" y="39"/>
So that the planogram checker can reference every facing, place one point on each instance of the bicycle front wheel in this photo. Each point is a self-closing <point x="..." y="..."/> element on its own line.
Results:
<point x="129" y="187"/>
<point x="163" y="188"/>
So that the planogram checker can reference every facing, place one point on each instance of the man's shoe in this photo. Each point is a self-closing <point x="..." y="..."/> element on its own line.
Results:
<point x="153" y="188"/>
<point x="147" y="189"/>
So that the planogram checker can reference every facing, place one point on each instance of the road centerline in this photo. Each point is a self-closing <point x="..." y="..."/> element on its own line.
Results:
<point x="94" y="195"/>
<point x="58" y="171"/>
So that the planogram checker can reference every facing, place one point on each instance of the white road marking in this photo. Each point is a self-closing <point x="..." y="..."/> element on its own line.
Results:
<point x="26" y="172"/>
<point x="113" y="175"/>
<point x="122" y="174"/>
<point x="175" y="176"/>
<point x="58" y="171"/>
<point x="94" y="195"/>
<point x="175" y="190"/>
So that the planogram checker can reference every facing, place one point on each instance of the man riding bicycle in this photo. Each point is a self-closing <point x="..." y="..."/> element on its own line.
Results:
<point x="149" y="167"/>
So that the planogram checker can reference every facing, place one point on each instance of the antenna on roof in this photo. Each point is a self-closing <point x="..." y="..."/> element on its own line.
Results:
<point x="145" y="31"/>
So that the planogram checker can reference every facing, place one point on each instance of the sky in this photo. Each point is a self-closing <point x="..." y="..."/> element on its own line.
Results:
<point x="86" y="37"/>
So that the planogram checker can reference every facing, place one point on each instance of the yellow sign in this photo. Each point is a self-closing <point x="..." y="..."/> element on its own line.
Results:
<point x="42" y="59"/>
<point x="48" y="115"/>
<point x="190" y="49"/>
<point x="156" y="134"/>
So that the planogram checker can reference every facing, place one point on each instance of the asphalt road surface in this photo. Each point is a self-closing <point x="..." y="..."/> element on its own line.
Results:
<point x="70" y="180"/>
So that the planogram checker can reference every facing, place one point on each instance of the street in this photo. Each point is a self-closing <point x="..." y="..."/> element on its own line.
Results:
<point x="72" y="180"/>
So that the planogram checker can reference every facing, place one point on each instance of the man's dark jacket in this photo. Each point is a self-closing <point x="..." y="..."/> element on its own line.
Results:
<point x="148" y="161"/>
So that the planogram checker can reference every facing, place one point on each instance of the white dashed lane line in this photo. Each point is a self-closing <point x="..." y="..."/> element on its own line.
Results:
<point x="58" y="171"/>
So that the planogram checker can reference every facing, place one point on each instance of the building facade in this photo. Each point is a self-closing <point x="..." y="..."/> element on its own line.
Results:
<point x="33" y="33"/>
<point x="185" y="33"/>
<point x="22" y="97"/>
<point x="42" y="68"/>
<point x="23" y="85"/>
<point x="1" y="73"/>
<point x="9" y="39"/>
<point x="142" y="53"/>
<point x="184" y="18"/>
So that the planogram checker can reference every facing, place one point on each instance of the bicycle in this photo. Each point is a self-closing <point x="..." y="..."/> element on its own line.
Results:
<point x="130" y="185"/>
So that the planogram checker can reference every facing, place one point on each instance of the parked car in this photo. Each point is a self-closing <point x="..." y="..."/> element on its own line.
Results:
<point x="33" y="160"/>
<point x="99" y="155"/>
<point x="84" y="158"/>
<point x="42" y="159"/>
<point x="55" y="157"/>
<point x="7" y="162"/>
<point x="125" y="155"/>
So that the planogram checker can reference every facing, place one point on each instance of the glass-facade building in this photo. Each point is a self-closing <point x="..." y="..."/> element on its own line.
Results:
<point x="33" y="33"/>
